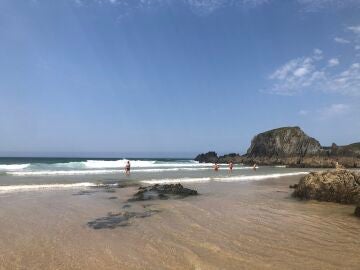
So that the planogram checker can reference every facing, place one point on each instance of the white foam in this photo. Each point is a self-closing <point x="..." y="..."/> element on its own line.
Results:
<point x="177" y="180"/>
<point x="18" y="188"/>
<point x="110" y="171"/>
<point x="222" y="179"/>
<point x="257" y="177"/>
<point x="12" y="167"/>
<point x="94" y="164"/>
<point x="44" y="173"/>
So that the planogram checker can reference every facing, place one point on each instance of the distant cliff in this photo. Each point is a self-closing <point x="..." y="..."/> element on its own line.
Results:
<point x="292" y="147"/>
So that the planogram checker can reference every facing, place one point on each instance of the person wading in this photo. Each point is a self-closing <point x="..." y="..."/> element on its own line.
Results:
<point x="127" y="168"/>
<point x="231" y="166"/>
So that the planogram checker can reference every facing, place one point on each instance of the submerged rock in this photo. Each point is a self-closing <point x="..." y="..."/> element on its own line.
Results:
<point x="162" y="192"/>
<point x="357" y="211"/>
<point x="341" y="186"/>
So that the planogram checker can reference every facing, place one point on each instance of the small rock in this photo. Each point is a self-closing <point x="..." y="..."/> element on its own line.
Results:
<point x="162" y="192"/>
<point x="357" y="211"/>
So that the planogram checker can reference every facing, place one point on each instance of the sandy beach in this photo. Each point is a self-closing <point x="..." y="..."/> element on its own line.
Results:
<point x="239" y="225"/>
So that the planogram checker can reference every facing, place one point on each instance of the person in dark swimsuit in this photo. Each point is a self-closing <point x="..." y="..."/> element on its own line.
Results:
<point x="127" y="168"/>
<point x="216" y="167"/>
<point x="231" y="166"/>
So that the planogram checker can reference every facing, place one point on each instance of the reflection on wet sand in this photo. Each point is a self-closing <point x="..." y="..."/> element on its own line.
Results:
<point x="248" y="225"/>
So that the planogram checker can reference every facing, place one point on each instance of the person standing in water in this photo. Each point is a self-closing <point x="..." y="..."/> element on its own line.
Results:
<point x="216" y="167"/>
<point x="127" y="168"/>
<point x="254" y="167"/>
<point x="231" y="166"/>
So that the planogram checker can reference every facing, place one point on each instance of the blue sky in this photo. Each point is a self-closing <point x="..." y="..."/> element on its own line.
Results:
<point x="175" y="76"/>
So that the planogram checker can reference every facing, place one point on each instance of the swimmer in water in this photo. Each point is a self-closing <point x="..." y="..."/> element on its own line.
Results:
<point x="231" y="166"/>
<point x="127" y="168"/>
<point x="216" y="167"/>
<point x="255" y="167"/>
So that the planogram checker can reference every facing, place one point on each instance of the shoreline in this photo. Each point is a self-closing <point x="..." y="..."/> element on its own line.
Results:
<point x="234" y="225"/>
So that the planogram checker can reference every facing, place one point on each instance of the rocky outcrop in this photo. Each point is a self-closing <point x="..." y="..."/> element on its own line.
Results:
<point x="351" y="150"/>
<point x="341" y="186"/>
<point x="283" y="143"/>
<point x="290" y="146"/>
<point x="233" y="157"/>
<point x="209" y="157"/>
<point x="162" y="192"/>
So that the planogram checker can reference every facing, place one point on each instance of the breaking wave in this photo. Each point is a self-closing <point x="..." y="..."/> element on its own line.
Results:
<point x="12" y="167"/>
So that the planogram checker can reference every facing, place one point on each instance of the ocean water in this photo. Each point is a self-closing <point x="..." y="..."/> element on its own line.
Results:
<point x="21" y="174"/>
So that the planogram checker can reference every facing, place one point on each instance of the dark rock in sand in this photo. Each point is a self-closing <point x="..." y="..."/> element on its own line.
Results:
<point x="162" y="192"/>
<point x="209" y="157"/>
<point x="341" y="186"/>
<point x="357" y="211"/>
<point x="293" y="186"/>
<point x="115" y="220"/>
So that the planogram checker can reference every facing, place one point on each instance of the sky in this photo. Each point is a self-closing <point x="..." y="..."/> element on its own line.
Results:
<point x="175" y="77"/>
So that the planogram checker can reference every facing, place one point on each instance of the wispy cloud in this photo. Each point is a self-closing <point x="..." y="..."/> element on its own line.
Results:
<point x="355" y="29"/>
<point x="334" y="110"/>
<point x="333" y="62"/>
<point x="297" y="74"/>
<point x="200" y="7"/>
<point x="318" y="5"/>
<point x="327" y="112"/>
<point x="207" y="7"/>
<point x="346" y="82"/>
<point x="314" y="72"/>
<point x="303" y="112"/>
<point x="341" y="40"/>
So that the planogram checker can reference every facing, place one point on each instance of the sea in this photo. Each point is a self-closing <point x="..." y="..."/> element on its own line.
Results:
<point x="26" y="174"/>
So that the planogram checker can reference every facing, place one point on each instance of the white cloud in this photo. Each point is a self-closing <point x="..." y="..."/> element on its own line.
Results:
<point x="207" y="7"/>
<point x="311" y="73"/>
<point x="333" y="62"/>
<point x="200" y="7"/>
<point x="297" y="74"/>
<point x="341" y="40"/>
<point x="317" y="5"/>
<point x="346" y="82"/>
<point x="308" y="73"/>
<point x="334" y="110"/>
<point x="355" y="29"/>
<point x="303" y="112"/>
<point x="331" y="111"/>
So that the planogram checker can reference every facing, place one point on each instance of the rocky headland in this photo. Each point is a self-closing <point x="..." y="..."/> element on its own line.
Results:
<point x="292" y="147"/>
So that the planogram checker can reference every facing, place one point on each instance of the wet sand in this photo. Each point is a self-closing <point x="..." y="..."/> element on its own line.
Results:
<point x="239" y="225"/>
